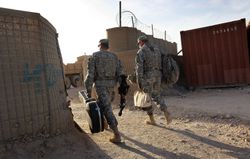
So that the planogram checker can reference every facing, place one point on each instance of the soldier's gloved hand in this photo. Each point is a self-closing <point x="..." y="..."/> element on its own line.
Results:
<point x="143" y="84"/>
<point x="145" y="90"/>
<point x="140" y="84"/>
<point x="89" y="93"/>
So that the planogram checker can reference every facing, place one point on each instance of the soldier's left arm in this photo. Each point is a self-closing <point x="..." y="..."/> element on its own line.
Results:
<point x="90" y="75"/>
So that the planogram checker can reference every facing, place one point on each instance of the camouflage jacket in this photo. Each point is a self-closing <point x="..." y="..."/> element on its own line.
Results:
<point x="148" y="59"/>
<point x="104" y="69"/>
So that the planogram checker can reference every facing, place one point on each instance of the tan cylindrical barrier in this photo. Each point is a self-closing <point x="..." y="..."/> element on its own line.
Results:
<point x="122" y="38"/>
<point x="32" y="91"/>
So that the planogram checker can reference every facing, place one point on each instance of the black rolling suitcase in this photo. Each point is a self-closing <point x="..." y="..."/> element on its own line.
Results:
<point x="94" y="113"/>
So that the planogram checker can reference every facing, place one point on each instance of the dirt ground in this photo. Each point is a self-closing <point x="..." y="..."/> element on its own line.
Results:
<point x="208" y="123"/>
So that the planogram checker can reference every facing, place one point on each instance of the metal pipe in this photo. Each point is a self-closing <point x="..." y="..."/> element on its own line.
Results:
<point x="133" y="24"/>
<point x="152" y="30"/>
<point x="120" y="14"/>
<point x="165" y="35"/>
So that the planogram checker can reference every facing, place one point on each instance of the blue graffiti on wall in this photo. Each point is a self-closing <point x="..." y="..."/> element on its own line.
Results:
<point x="47" y="74"/>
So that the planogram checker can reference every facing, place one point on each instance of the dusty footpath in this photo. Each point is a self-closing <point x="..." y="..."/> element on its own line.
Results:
<point x="208" y="123"/>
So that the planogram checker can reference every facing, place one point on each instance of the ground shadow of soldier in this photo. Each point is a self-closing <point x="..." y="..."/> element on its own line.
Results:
<point x="152" y="149"/>
<point x="237" y="152"/>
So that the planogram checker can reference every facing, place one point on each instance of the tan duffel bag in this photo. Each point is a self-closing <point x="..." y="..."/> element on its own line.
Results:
<point x="142" y="100"/>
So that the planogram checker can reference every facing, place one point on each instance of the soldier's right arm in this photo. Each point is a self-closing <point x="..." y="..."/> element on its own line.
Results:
<point x="90" y="75"/>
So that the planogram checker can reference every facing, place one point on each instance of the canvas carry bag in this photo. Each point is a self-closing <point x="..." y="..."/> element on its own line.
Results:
<point x="94" y="115"/>
<point x="142" y="100"/>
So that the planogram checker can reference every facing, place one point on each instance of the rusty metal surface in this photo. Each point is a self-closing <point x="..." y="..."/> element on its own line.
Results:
<point x="216" y="55"/>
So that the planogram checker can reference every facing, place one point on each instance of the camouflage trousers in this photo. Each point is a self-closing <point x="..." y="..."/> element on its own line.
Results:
<point x="152" y="86"/>
<point x="105" y="95"/>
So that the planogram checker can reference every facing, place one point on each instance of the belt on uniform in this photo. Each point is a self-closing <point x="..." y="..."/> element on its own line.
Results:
<point x="153" y="68"/>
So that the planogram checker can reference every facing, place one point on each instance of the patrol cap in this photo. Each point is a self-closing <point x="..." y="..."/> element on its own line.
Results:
<point x="104" y="42"/>
<point x="142" y="38"/>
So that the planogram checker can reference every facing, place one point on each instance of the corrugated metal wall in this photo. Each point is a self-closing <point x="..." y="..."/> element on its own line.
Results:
<point x="33" y="98"/>
<point x="216" y="55"/>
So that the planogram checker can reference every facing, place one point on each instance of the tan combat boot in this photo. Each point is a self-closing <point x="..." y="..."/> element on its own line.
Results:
<point x="117" y="136"/>
<point x="167" y="116"/>
<point x="151" y="120"/>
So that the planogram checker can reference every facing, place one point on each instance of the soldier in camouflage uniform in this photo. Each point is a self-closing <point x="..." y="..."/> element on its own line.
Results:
<point x="149" y="74"/>
<point x="104" y="70"/>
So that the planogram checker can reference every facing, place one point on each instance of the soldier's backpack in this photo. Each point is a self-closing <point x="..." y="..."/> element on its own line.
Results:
<point x="170" y="70"/>
<point x="95" y="117"/>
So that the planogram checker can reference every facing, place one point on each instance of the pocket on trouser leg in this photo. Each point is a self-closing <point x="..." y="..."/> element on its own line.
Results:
<point x="149" y="110"/>
<point x="112" y="122"/>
